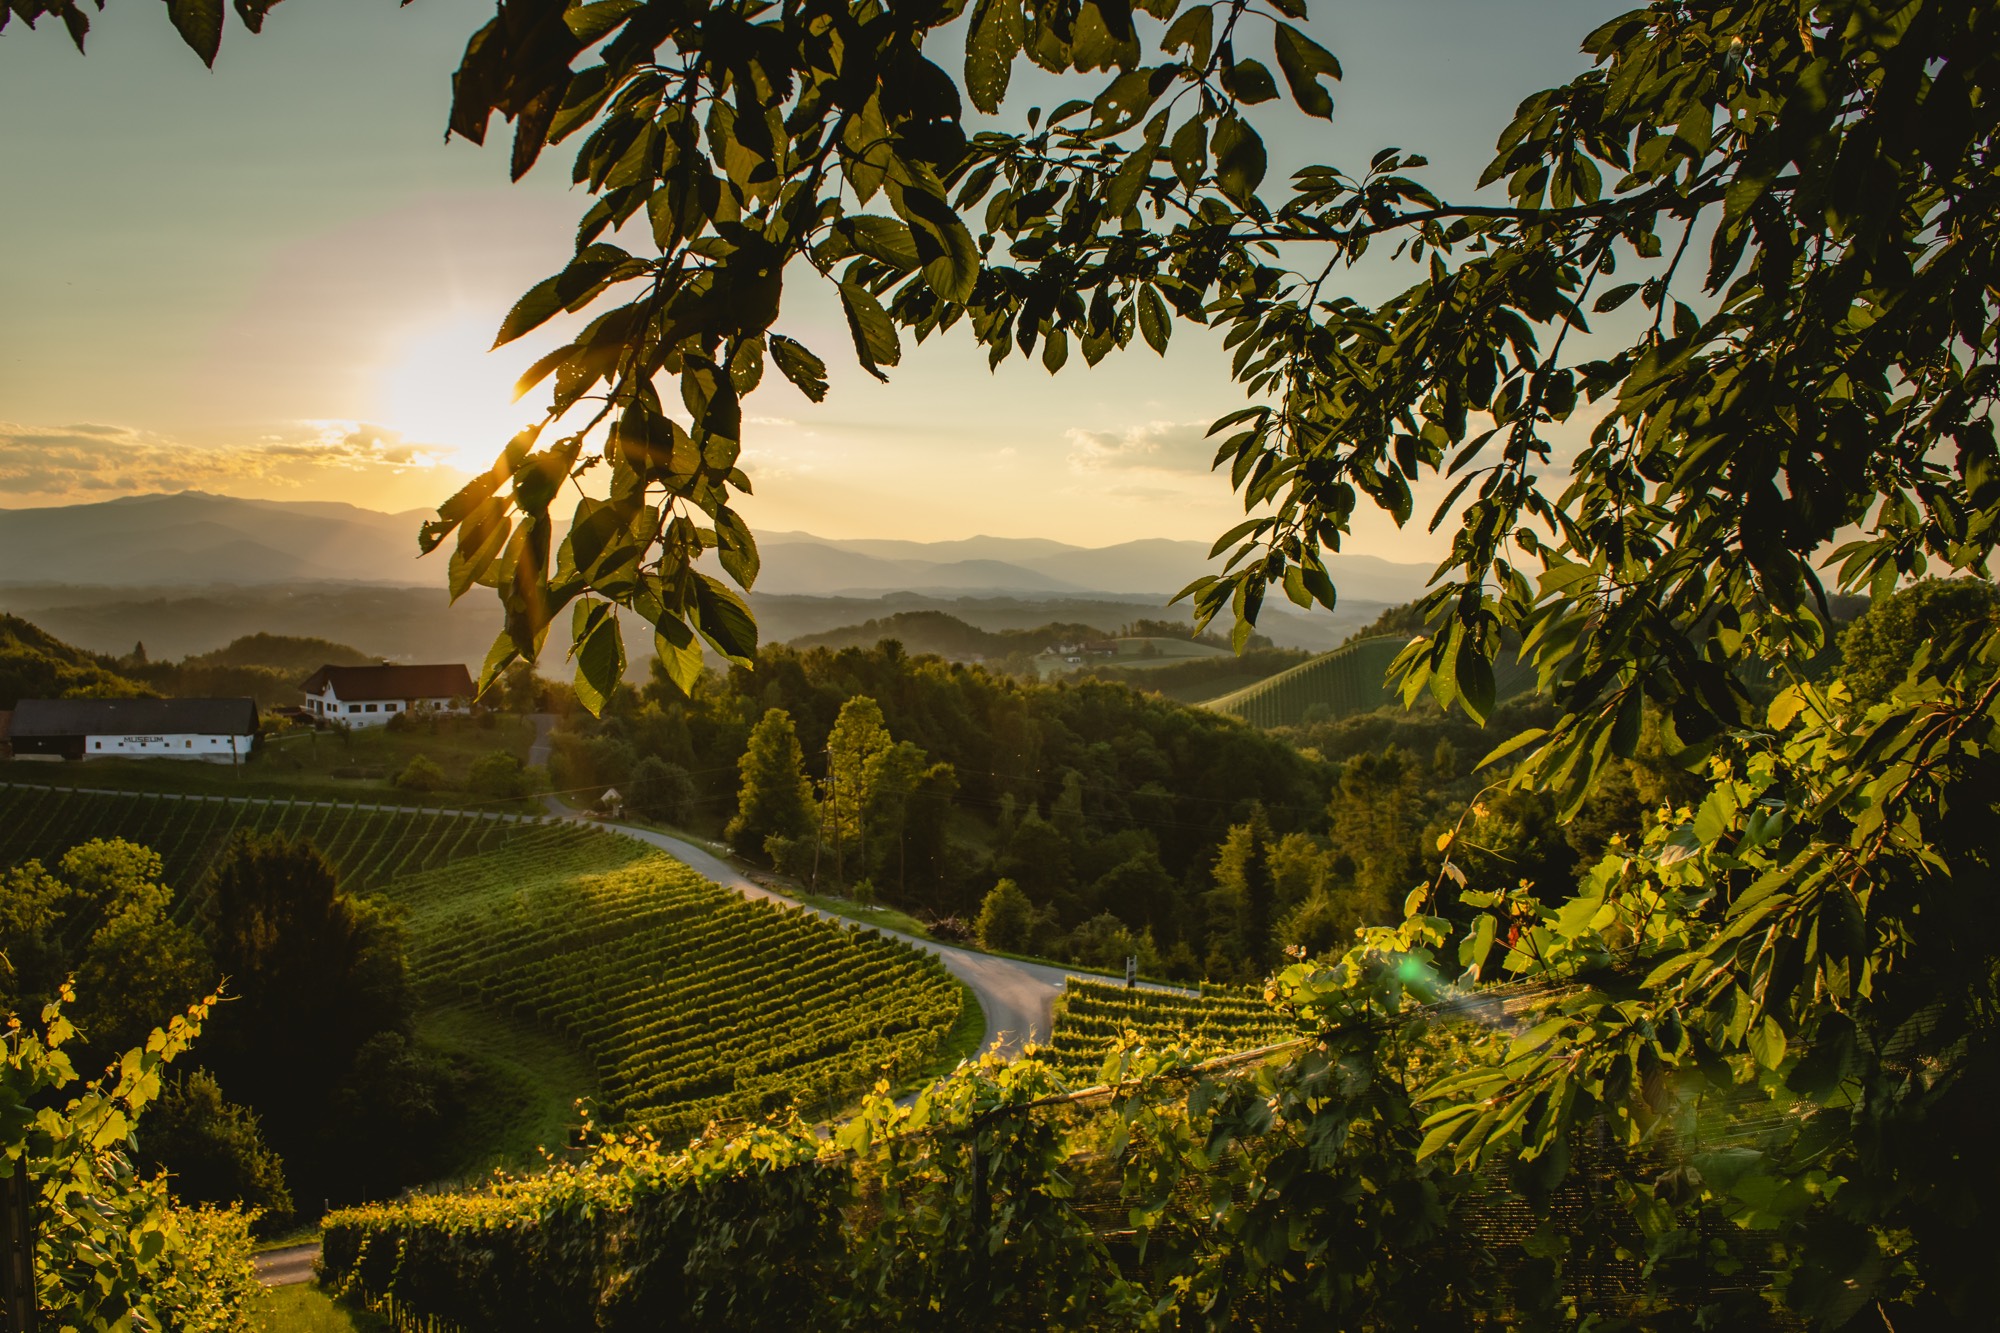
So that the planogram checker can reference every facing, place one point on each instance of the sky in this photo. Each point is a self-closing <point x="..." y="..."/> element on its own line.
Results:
<point x="277" y="279"/>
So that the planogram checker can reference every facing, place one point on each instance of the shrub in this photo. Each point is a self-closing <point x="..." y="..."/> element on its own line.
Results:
<point x="214" y="1150"/>
<point x="498" y="775"/>
<point x="422" y="774"/>
<point x="1006" y="918"/>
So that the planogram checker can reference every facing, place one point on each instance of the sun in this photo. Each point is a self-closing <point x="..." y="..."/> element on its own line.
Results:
<point x="443" y="387"/>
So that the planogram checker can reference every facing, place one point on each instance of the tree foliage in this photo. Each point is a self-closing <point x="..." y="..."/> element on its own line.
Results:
<point x="1750" y="254"/>
<point x="775" y="799"/>
<point x="111" y="1248"/>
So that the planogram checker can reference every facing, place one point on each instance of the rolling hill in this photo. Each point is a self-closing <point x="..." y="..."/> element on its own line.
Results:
<point x="35" y="664"/>
<point x="1353" y="678"/>
<point x="1350" y="679"/>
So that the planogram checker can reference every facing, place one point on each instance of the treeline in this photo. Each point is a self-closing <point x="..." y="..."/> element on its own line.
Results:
<point x="268" y="668"/>
<point x="1011" y="651"/>
<point x="1090" y="822"/>
<point x="1105" y="806"/>
<point x="945" y="635"/>
<point x="306" y="1085"/>
<point x="35" y="664"/>
<point x="1085" y="821"/>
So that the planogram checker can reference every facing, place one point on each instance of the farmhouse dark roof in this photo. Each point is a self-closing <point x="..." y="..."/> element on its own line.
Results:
<point x="133" y="717"/>
<point x="449" y="680"/>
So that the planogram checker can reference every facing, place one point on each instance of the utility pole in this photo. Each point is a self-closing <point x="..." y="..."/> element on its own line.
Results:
<point x="839" y="840"/>
<point x="819" y="832"/>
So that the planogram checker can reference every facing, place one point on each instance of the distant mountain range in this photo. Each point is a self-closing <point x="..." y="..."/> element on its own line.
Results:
<point x="192" y="538"/>
<point x="197" y="539"/>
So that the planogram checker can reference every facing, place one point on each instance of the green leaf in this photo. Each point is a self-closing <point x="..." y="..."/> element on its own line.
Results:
<point x="1194" y="30"/>
<point x="882" y="238"/>
<point x="875" y="341"/>
<point x="952" y="268"/>
<point x="1155" y="325"/>
<point x="199" y="23"/>
<point x="599" y="646"/>
<point x="590" y="22"/>
<point x="998" y="30"/>
<point x="1616" y="297"/>
<point x="1249" y="82"/>
<point x="725" y="621"/>
<point x="1303" y="62"/>
<point x="806" y="371"/>
<point x="738" y="550"/>
<point x="679" y="651"/>
<point x="1239" y="159"/>
<point x="1190" y="150"/>
<point x="1477" y="944"/>
<point x="535" y="308"/>
<point x="1474" y="675"/>
<point x="1135" y="170"/>
<point x="1767" y="1043"/>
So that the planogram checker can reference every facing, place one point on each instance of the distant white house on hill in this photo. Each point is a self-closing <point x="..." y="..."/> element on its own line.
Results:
<point x="218" y="730"/>
<point x="368" y="696"/>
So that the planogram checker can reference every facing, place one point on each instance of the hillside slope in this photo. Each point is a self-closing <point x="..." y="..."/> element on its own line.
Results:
<point x="1353" y="678"/>
<point x="693" y="1003"/>
<point x="35" y="664"/>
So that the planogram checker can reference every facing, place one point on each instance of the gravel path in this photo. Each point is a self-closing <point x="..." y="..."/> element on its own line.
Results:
<point x="287" y="1267"/>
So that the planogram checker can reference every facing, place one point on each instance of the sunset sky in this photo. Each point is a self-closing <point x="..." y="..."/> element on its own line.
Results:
<point x="277" y="279"/>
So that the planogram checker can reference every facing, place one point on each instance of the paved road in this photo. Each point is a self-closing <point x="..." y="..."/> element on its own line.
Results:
<point x="1016" y="996"/>
<point x="287" y="1267"/>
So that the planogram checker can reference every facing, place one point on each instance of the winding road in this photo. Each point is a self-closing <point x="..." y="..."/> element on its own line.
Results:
<point x="1017" y="997"/>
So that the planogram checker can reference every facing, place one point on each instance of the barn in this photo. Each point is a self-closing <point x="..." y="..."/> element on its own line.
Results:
<point x="217" y="730"/>
<point x="369" y="696"/>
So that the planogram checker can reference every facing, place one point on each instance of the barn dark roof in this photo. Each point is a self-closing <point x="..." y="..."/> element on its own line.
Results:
<point x="133" y="717"/>
<point x="448" y="680"/>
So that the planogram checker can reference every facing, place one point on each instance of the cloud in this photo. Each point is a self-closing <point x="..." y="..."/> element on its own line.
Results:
<point x="1177" y="449"/>
<point x="89" y="461"/>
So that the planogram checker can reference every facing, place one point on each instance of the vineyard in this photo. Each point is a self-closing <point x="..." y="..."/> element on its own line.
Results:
<point x="1353" y="678"/>
<point x="693" y="1003"/>
<point x="1091" y="1016"/>
<point x="369" y="846"/>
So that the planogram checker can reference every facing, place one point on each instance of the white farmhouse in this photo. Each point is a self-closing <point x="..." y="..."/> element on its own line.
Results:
<point x="369" y="696"/>
<point x="218" y="730"/>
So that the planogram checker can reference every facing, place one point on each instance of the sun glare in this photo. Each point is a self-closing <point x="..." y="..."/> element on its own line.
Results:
<point x="444" y="388"/>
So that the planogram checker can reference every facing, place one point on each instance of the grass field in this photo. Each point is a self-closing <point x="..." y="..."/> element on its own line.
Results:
<point x="306" y="764"/>
<point x="526" y="1084"/>
<point x="1091" y="1016"/>
<point x="304" y="1308"/>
